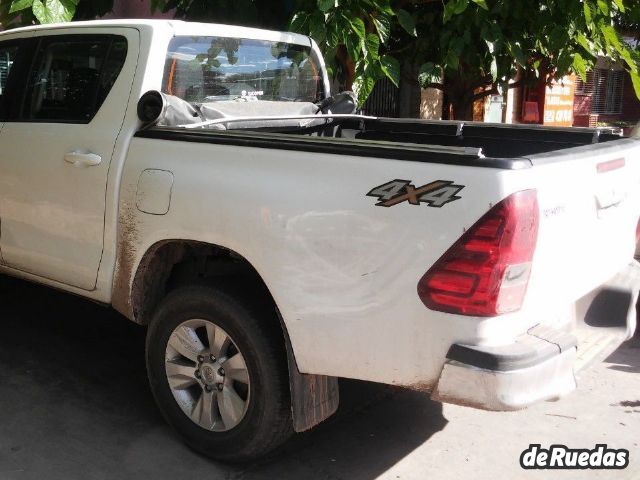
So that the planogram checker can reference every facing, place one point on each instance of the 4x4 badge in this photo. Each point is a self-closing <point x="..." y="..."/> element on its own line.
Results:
<point x="434" y="194"/>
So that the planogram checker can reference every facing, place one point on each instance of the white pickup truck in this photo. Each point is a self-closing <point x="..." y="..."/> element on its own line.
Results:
<point x="202" y="181"/>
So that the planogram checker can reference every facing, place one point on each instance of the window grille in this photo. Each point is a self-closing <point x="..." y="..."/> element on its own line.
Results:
<point x="607" y="91"/>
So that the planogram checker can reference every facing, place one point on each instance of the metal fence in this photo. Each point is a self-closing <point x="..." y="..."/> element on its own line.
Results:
<point x="384" y="101"/>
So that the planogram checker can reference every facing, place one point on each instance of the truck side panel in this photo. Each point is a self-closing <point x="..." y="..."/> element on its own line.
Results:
<point x="342" y="270"/>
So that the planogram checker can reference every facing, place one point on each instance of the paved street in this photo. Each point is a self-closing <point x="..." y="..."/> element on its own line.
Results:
<point x="74" y="403"/>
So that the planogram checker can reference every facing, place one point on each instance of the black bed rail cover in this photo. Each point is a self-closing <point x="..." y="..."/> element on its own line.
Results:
<point x="471" y="157"/>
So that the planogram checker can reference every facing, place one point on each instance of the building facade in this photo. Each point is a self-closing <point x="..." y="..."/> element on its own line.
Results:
<point x="607" y="98"/>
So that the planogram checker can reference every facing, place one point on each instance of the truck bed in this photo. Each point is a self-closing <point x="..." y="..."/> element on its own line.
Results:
<point x="449" y="142"/>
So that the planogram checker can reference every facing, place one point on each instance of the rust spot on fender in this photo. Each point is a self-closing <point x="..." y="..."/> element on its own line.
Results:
<point x="125" y="259"/>
<point x="424" y="387"/>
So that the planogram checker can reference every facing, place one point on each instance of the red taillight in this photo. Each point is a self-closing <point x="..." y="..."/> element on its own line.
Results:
<point x="486" y="272"/>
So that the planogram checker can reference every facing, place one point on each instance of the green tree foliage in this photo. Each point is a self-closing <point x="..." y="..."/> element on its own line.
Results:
<point x="542" y="39"/>
<point x="629" y="22"/>
<point x="356" y="38"/>
<point x="15" y="13"/>
<point x="467" y="48"/>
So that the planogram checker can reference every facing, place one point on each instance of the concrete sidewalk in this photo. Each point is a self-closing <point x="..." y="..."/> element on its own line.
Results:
<point x="74" y="404"/>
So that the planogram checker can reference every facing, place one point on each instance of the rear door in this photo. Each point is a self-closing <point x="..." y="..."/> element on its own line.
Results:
<point x="56" y="147"/>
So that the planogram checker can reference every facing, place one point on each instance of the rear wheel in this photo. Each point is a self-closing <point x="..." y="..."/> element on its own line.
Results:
<point x="218" y="373"/>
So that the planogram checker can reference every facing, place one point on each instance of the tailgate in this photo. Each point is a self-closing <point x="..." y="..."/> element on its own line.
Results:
<point x="589" y="211"/>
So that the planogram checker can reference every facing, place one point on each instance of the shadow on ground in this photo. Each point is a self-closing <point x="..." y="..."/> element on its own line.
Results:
<point x="74" y="403"/>
<point x="626" y="358"/>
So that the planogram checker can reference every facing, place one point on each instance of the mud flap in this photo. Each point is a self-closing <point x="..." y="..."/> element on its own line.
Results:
<point x="314" y="398"/>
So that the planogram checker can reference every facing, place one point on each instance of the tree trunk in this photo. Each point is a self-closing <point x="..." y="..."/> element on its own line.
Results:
<point x="348" y="67"/>
<point x="460" y="92"/>
<point x="461" y="109"/>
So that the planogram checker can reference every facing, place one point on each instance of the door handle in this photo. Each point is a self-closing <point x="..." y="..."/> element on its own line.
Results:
<point x="78" y="159"/>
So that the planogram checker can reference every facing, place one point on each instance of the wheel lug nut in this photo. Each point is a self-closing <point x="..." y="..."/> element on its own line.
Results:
<point x="200" y="358"/>
<point x="220" y="386"/>
<point x="212" y="357"/>
<point x="207" y="388"/>
<point x="197" y="374"/>
<point x="221" y="372"/>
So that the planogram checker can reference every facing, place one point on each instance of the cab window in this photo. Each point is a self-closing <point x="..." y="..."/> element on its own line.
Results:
<point x="72" y="76"/>
<point x="8" y="53"/>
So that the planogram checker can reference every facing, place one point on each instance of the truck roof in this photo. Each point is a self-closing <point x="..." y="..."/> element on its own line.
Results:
<point x="179" y="28"/>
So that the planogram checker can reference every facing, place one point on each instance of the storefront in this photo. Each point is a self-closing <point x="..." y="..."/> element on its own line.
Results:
<point x="550" y="104"/>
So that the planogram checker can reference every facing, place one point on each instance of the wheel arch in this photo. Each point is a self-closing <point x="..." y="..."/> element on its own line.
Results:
<point x="169" y="263"/>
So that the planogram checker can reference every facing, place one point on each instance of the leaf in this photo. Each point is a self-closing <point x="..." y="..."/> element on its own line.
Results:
<point x="587" y="11"/>
<point x="362" y="87"/>
<point x="451" y="61"/>
<point x="611" y="37"/>
<point x="325" y="5"/>
<point x="429" y="73"/>
<point x="460" y="6"/>
<point x="482" y="4"/>
<point x="454" y="7"/>
<point x="357" y="25"/>
<point x="18" y="5"/>
<point x="491" y="46"/>
<point x="371" y="45"/>
<point x="333" y="35"/>
<point x="583" y="42"/>
<point x="635" y="80"/>
<point x="518" y="54"/>
<point x="580" y="66"/>
<point x="391" y="68"/>
<point x="628" y="58"/>
<point x="603" y="6"/>
<point x="620" y="5"/>
<point x="54" y="11"/>
<point x="406" y="21"/>
<point x="563" y="63"/>
<point x="299" y="22"/>
<point x="383" y="27"/>
<point x="494" y="69"/>
<point x="352" y="46"/>
<point x="383" y="6"/>
<point x="317" y="29"/>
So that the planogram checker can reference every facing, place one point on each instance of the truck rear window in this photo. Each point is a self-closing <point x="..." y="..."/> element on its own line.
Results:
<point x="209" y="69"/>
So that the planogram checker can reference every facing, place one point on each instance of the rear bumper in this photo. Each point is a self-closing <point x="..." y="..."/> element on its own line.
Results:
<point x="540" y="365"/>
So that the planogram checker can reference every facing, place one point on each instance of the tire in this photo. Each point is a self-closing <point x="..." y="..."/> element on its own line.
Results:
<point x="266" y="422"/>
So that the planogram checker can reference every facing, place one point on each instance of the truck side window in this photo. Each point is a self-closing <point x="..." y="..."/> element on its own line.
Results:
<point x="7" y="57"/>
<point x="72" y="76"/>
